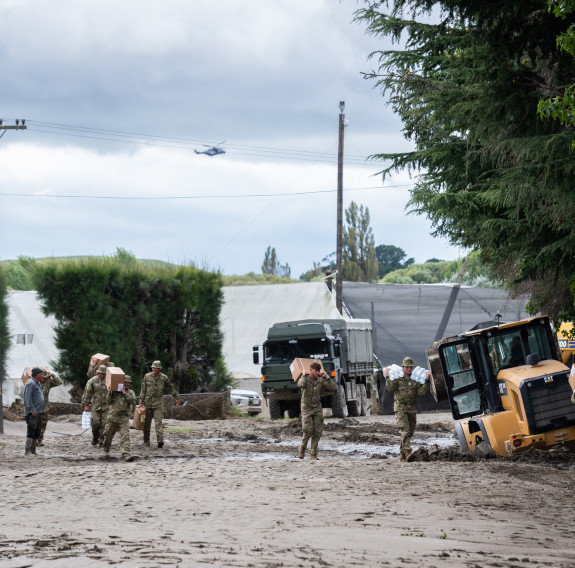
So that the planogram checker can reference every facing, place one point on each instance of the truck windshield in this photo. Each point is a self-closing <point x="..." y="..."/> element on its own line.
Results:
<point x="283" y="351"/>
<point x="510" y="349"/>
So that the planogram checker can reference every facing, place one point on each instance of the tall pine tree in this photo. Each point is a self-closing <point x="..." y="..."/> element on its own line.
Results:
<point x="492" y="175"/>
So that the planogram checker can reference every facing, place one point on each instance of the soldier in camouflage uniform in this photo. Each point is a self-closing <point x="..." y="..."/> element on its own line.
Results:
<point x="95" y="394"/>
<point x="311" y="410"/>
<point x="154" y="386"/>
<point x="121" y="404"/>
<point x="50" y="381"/>
<point x="91" y="369"/>
<point x="405" y="391"/>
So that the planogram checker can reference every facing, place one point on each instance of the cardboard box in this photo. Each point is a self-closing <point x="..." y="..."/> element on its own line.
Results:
<point x="301" y="366"/>
<point x="572" y="377"/>
<point x="115" y="379"/>
<point x="139" y="417"/>
<point x="27" y="373"/>
<point x="99" y="359"/>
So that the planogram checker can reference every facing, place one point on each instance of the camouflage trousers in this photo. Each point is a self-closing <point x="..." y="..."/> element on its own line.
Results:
<point x="312" y="426"/>
<point x="99" y="419"/>
<point x="111" y="429"/>
<point x="157" y="414"/>
<point x="406" y="425"/>
<point x="43" y="426"/>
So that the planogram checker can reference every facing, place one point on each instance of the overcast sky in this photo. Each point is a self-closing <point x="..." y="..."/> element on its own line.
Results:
<point x="117" y="95"/>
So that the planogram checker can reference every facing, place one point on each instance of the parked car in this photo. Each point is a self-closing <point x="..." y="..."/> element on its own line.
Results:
<point x="246" y="400"/>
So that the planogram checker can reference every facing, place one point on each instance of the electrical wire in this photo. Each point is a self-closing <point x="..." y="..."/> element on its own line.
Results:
<point x="170" y="197"/>
<point x="186" y="143"/>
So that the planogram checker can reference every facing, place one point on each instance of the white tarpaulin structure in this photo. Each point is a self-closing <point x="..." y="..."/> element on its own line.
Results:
<point x="249" y="311"/>
<point x="32" y="338"/>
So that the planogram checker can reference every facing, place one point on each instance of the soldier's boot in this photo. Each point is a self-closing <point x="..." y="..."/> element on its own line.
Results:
<point x="128" y="458"/>
<point x="146" y="441"/>
<point x="407" y="455"/>
<point x="313" y="457"/>
<point x="160" y="444"/>
<point x="402" y="458"/>
<point x="106" y="455"/>
<point x="301" y="452"/>
<point x="28" y="449"/>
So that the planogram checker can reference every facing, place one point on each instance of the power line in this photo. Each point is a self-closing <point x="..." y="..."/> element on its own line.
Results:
<point x="185" y="143"/>
<point x="173" y="197"/>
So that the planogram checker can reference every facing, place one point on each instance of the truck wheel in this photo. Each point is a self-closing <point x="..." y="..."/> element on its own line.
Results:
<point x="294" y="411"/>
<point x="338" y="406"/>
<point x="353" y="408"/>
<point x="276" y="410"/>
<point x="363" y="410"/>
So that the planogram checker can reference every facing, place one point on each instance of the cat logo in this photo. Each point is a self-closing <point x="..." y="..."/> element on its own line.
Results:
<point x="548" y="379"/>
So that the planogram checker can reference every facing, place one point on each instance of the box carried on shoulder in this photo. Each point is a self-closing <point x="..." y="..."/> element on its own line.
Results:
<point x="115" y="379"/>
<point x="139" y="417"/>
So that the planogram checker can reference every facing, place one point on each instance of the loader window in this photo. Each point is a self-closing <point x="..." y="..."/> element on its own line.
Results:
<point x="461" y="379"/>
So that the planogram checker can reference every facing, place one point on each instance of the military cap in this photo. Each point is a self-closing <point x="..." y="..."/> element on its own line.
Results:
<point x="101" y="369"/>
<point x="35" y="371"/>
<point x="127" y="379"/>
<point x="110" y="364"/>
<point x="156" y="365"/>
<point x="408" y="362"/>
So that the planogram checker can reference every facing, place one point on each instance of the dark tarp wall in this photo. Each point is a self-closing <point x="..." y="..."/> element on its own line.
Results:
<point x="406" y="319"/>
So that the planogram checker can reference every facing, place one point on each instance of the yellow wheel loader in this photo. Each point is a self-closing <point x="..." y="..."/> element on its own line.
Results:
<point x="507" y="387"/>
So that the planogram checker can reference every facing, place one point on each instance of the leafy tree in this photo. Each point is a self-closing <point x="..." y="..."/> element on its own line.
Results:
<point x="136" y="314"/>
<point x="390" y="258"/>
<point x="491" y="175"/>
<point x="19" y="274"/>
<point x="359" y="258"/>
<point x="562" y="106"/>
<point x="4" y="332"/>
<point x="271" y="264"/>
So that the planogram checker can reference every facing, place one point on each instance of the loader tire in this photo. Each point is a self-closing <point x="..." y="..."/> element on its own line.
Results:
<point x="276" y="409"/>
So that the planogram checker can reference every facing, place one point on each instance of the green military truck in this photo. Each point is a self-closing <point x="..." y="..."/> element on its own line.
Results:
<point x="346" y="352"/>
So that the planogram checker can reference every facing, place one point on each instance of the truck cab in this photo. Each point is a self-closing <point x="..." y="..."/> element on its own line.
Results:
<point x="507" y="387"/>
<point x="345" y="350"/>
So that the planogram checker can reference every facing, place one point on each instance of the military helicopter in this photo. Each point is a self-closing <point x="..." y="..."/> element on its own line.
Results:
<point x="212" y="150"/>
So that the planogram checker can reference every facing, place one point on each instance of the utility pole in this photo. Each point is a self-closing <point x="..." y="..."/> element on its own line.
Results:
<point x="339" y="269"/>
<point x="19" y="124"/>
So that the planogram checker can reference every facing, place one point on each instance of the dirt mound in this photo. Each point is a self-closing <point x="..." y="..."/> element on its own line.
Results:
<point x="11" y="416"/>
<point x="451" y="454"/>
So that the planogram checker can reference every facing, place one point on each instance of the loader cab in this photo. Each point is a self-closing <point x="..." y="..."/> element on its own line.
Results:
<point x="471" y="364"/>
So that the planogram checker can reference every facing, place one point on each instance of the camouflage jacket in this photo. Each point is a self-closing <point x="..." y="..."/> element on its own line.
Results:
<point x="154" y="389"/>
<point x="405" y="392"/>
<point x="121" y="405"/>
<point x="49" y="383"/>
<point x="311" y="392"/>
<point x="95" y="394"/>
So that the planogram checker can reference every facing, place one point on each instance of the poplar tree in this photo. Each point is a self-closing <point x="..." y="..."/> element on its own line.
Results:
<point x="359" y="259"/>
<point x="491" y="174"/>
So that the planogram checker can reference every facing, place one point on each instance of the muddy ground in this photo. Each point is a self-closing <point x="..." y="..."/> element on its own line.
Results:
<point x="232" y="493"/>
